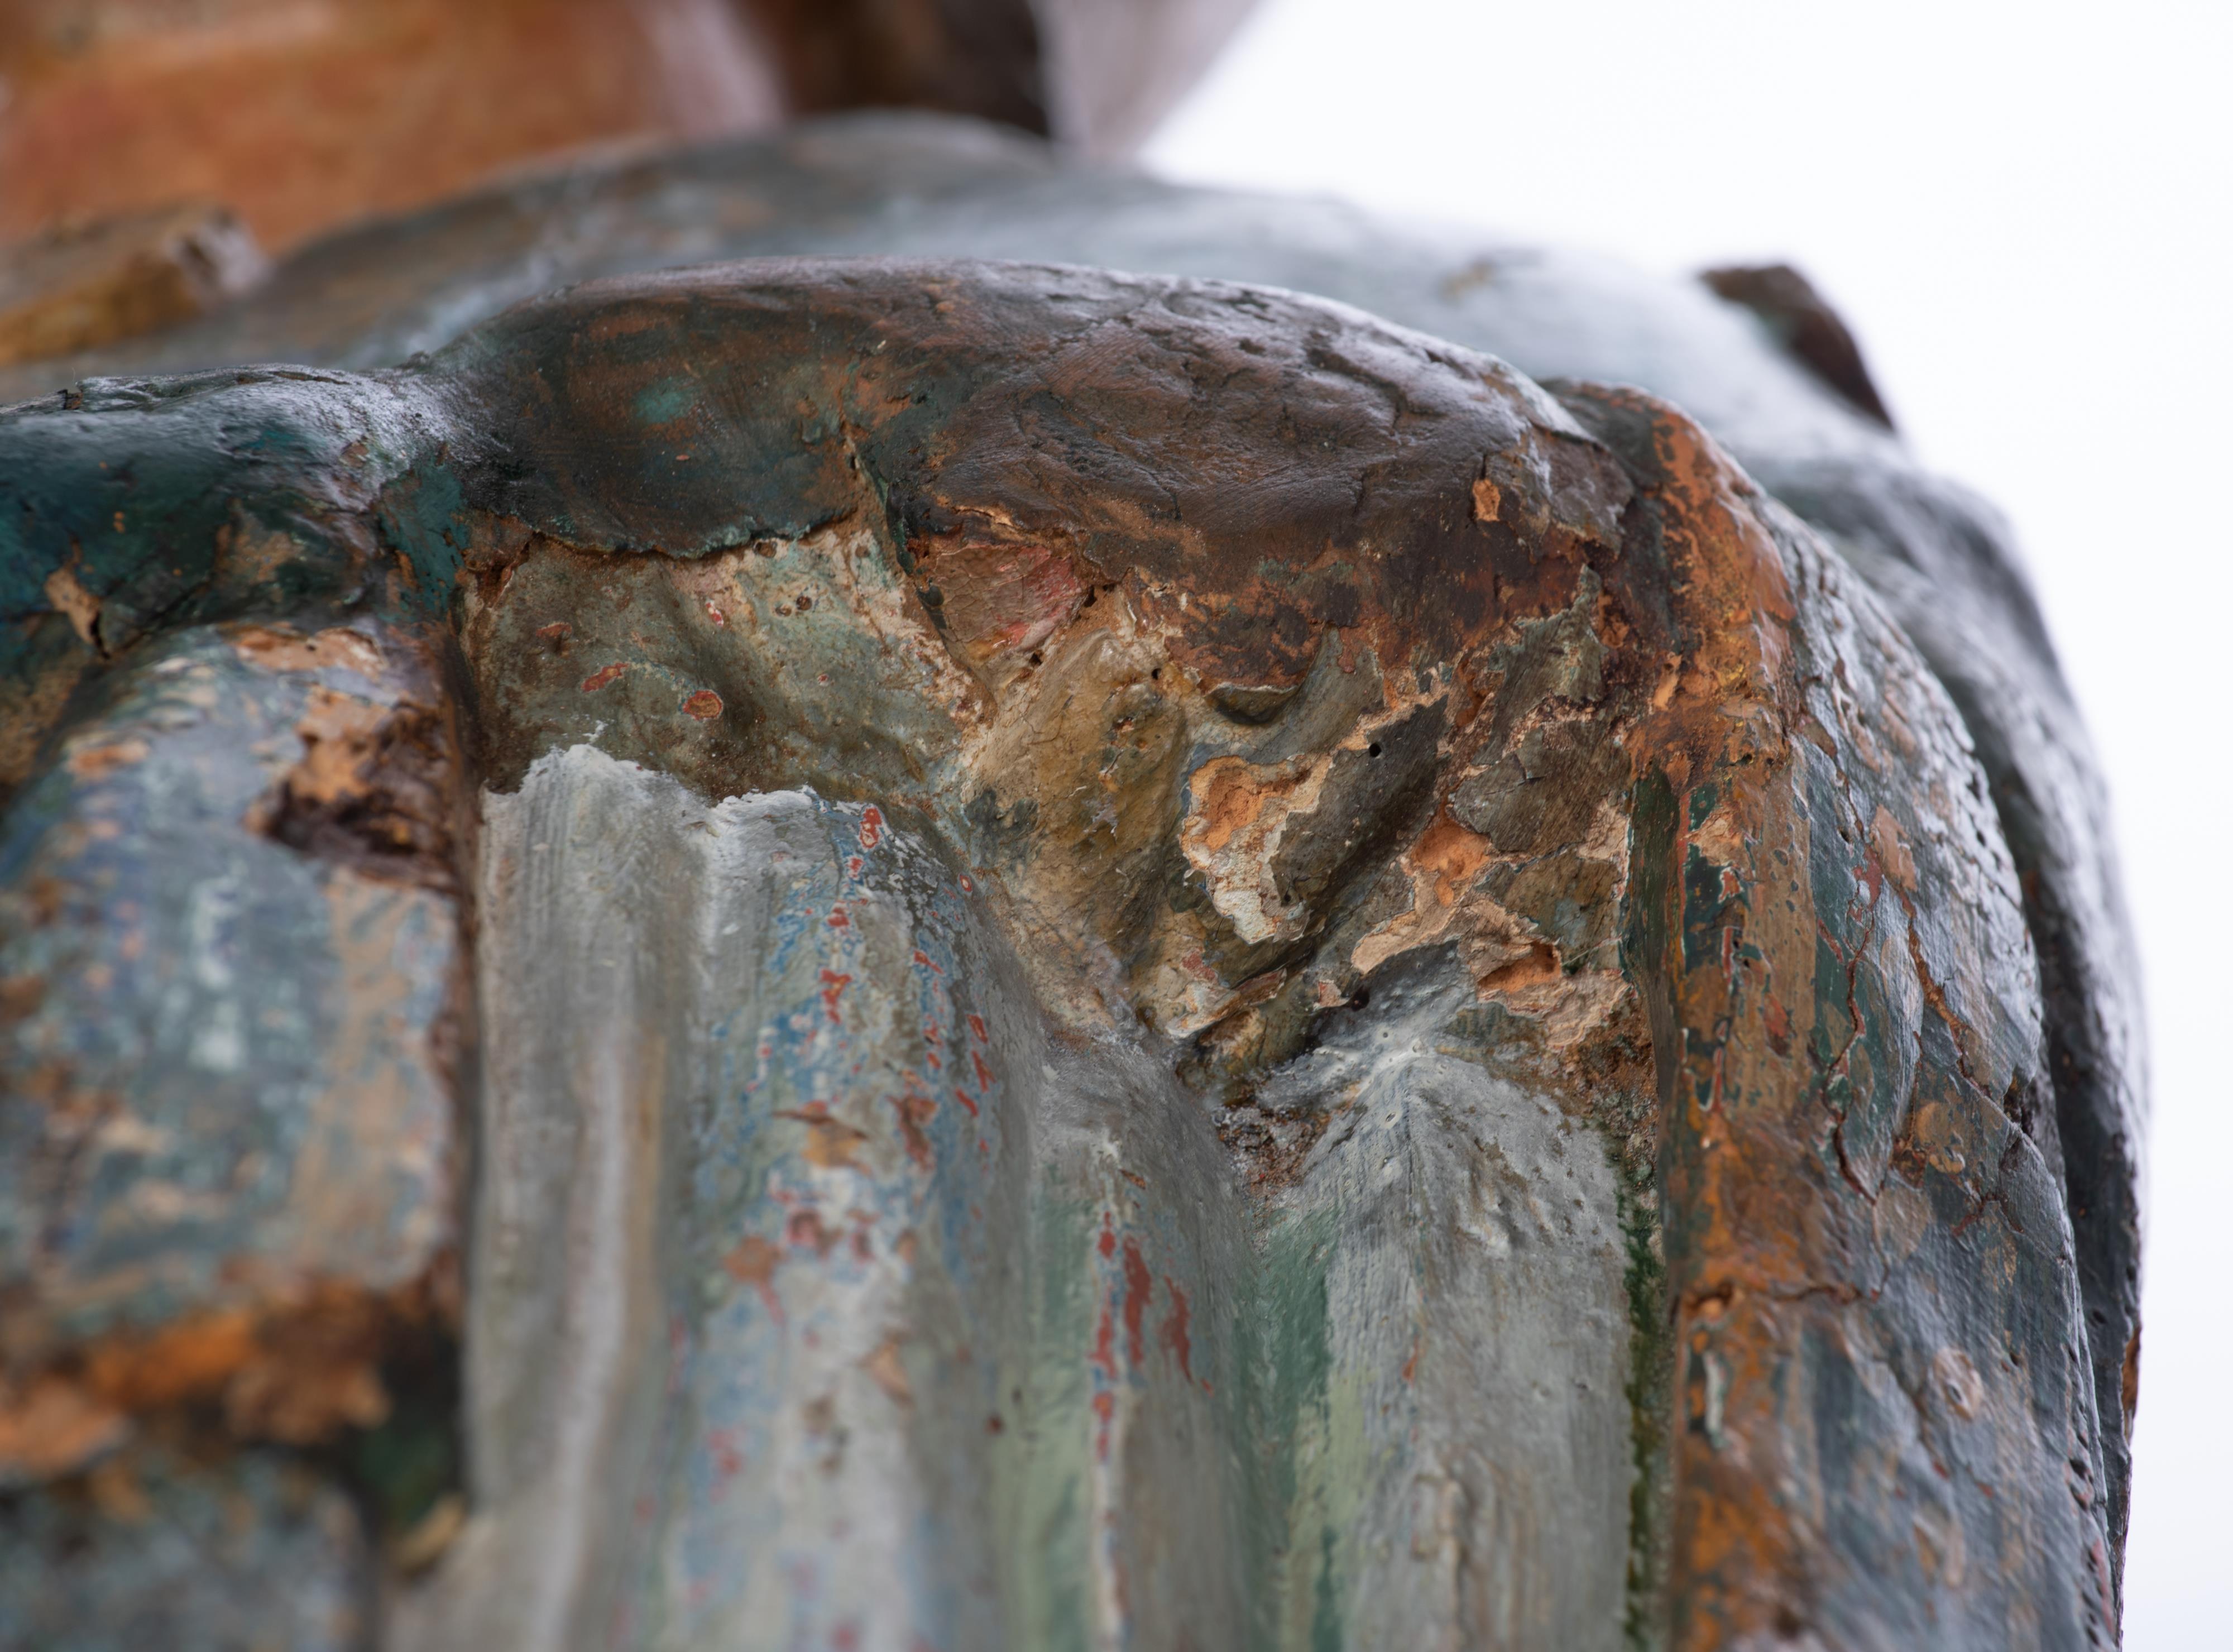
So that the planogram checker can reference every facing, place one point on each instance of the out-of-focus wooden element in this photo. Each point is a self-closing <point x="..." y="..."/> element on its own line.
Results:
<point x="304" y="115"/>
<point x="79" y="286"/>
<point x="1097" y="74"/>
<point x="964" y="56"/>
<point x="1803" y="322"/>
<point x="1114" y="71"/>
<point x="300" y="114"/>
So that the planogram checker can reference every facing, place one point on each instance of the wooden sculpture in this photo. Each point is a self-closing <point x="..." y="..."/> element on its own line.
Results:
<point x="894" y="943"/>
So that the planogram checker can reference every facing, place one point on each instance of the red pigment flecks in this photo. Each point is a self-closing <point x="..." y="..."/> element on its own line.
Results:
<point x="967" y="887"/>
<point x="1173" y="1333"/>
<point x="610" y="674"/>
<point x="931" y="1056"/>
<point x="977" y="1027"/>
<point x="832" y="985"/>
<point x="930" y="1032"/>
<point x="853" y="865"/>
<point x="962" y="1096"/>
<point x="705" y="705"/>
<point x="1104" y="1406"/>
<point x="1138" y="1283"/>
<point x="1104" y="1343"/>
<point x="1779" y="1026"/>
<point x="838" y="920"/>
<point x="923" y="960"/>
<point x="1108" y="1239"/>
<point x="984" y="1073"/>
<point x="872" y="827"/>
<point x="914" y="1111"/>
<point x="721" y="1445"/>
<point x="715" y="614"/>
<point x="803" y="1231"/>
<point x="556" y="631"/>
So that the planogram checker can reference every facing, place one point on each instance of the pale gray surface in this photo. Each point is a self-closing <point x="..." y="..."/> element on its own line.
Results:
<point x="708" y="1387"/>
<point x="1480" y="1336"/>
<point x="1019" y="1380"/>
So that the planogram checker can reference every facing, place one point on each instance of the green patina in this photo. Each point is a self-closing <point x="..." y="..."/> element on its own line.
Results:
<point x="422" y="517"/>
<point x="1284" y="1406"/>
<point x="1041" y="1493"/>
<point x="665" y="402"/>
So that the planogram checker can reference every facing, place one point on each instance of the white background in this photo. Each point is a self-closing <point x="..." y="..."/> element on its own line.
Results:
<point x="2026" y="212"/>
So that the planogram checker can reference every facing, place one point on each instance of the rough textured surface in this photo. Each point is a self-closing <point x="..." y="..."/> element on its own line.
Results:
<point x="1864" y="1237"/>
<point x="1939" y="558"/>
<point x="227" y="1169"/>
<point x="1515" y="1072"/>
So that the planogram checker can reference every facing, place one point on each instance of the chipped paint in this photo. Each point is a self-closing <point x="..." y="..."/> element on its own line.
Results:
<point x="1577" y="902"/>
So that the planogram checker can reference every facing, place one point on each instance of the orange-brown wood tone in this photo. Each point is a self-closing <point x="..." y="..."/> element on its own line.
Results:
<point x="300" y="114"/>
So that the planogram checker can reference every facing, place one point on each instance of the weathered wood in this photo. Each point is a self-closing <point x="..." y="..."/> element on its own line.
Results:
<point x="230" y="1168"/>
<point x="1567" y="891"/>
<point x="1938" y="556"/>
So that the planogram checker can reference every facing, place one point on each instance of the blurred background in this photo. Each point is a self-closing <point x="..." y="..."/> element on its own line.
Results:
<point x="2026" y="213"/>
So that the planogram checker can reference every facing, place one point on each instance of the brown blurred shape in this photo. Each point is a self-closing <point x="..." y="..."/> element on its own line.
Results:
<point x="1098" y="75"/>
<point x="75" y="287"/>
<point x="301" y="114"/>
<point x="130" y="129"/>
<point x="976" y="57"/>
<point x="1803" y="323"/>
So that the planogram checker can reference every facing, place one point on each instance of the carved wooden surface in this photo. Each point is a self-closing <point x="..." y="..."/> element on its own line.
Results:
<point x="1514" y="1103"/>
<point x="1938" y="557"/>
